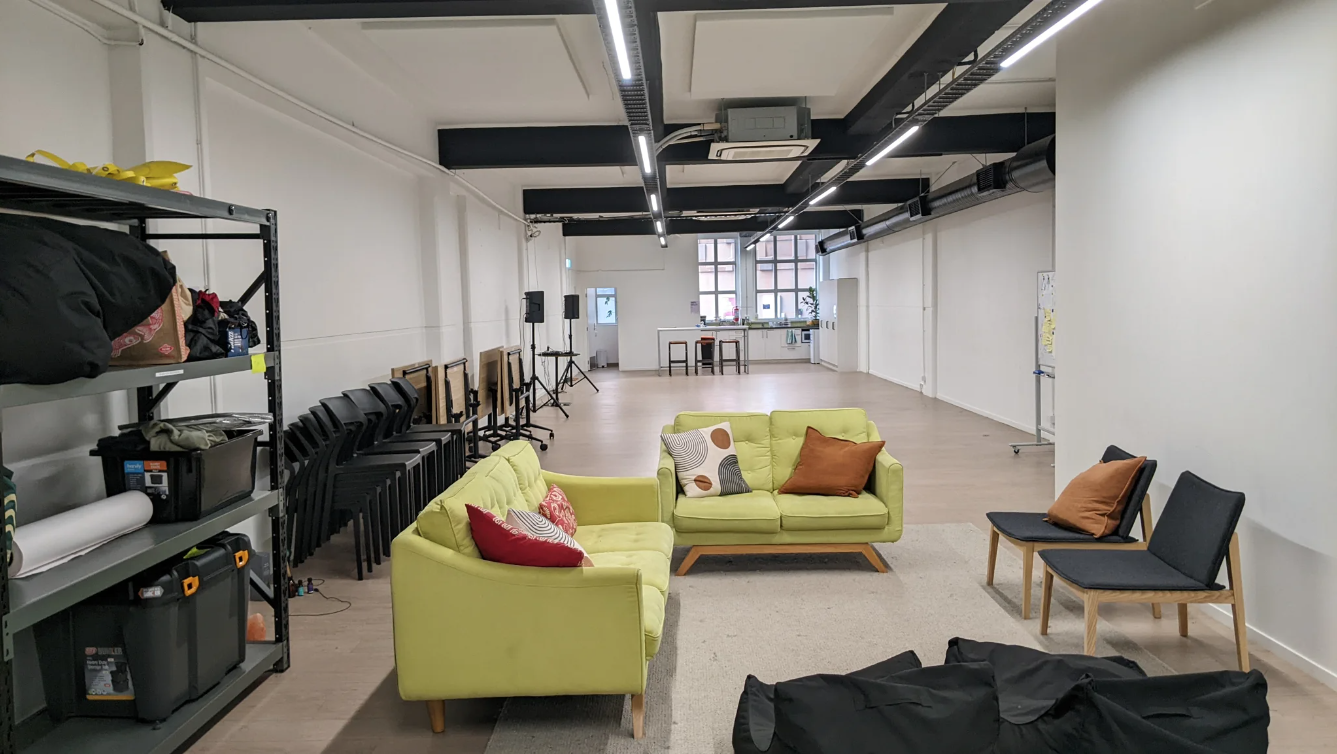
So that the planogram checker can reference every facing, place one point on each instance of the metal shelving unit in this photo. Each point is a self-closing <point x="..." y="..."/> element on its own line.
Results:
<point x="29" y="187"/>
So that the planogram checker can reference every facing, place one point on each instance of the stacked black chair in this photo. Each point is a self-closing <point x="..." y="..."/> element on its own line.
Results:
<point x="383" y="438"/>
<point x="401" y="399"/>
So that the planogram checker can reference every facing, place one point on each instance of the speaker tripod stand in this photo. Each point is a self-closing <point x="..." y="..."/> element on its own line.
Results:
<point x="567" y="377"/>
<point x="531" y="397"/>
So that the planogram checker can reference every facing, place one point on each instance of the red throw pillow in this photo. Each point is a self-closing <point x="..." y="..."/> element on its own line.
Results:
<point x="500" y="542"/>
<point x="557" y="509"/>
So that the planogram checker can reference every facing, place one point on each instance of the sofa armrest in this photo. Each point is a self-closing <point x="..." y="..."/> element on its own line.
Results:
<point x="608" y="500"/>
<point x="467" y="628"/>
<point x="888" y="480"/>
<point x="667" y="476"/>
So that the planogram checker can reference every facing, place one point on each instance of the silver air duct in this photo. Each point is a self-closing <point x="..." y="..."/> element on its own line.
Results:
<point x="1031" y="169"/>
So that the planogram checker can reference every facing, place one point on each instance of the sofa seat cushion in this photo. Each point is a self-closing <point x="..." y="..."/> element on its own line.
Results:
<point x="820" y="513"/>
<point x="654" y="566"/>
<point x="750" y="512"/>
<point x="626" y="537"/>
<point x="652" y="619"/>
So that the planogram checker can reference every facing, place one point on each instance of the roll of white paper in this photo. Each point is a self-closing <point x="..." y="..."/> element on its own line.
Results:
<point x="65" y="536"/>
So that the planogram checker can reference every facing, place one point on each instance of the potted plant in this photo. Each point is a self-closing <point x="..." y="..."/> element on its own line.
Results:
<point x="810" y="302"/>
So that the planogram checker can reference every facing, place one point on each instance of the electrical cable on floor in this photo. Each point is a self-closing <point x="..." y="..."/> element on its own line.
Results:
<point x="320" y="582"/>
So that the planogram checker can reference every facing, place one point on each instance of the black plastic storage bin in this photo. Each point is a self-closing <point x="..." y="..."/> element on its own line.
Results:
<point x="146" y="646"/>
<point x="185" y="485"/>
<point x="119" y="654"/>
<point x="218" y="636"/>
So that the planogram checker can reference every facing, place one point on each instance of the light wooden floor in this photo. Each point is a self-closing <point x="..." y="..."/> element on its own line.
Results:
<point x="340" y="696"/>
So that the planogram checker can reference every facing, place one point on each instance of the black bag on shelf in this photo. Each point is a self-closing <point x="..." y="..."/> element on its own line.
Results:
<point x="50" y="319"/>
<point x="218" y="329"/>
<point x="66" y="291"/>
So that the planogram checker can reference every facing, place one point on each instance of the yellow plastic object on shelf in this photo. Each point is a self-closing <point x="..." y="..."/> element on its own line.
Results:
<point x="156" y="173"/>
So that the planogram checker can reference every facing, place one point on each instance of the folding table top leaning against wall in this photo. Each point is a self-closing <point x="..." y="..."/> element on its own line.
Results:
<point x="42" y="189"/>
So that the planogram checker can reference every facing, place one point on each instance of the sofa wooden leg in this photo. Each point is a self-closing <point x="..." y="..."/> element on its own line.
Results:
<point x="638" y="716"/>
<point x="873" y="557"/>
<point x="437" y="711"/>
<point x="689" y="561"/>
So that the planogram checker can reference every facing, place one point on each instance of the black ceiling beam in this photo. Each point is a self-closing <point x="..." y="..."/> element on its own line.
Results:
<point x="608" y="146"/>
<point x="574" y="201"/>
<point x="294" y="10"/>
<point x="685" y="226"/>
<point x="806" y="175"/>
<point x="954" y="34"/>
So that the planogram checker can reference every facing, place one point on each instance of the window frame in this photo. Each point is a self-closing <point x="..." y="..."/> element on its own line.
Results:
<point x="598" y="312"/>
<point x="775" y="291"/>
<point x="714" y="264"/>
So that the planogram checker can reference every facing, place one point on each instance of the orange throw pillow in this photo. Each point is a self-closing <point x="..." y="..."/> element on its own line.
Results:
<point x="832" y="466"/>
<point x="1094" y="500"/>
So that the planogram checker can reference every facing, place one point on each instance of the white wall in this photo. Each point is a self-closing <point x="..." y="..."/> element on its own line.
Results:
<point x="1197" y="261"/>
<point x="948" y="307"/>
<point x="988" y="257"/>
<point x="655" y="287"/>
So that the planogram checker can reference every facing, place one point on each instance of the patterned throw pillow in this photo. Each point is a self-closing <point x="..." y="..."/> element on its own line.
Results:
<point x="502" y="542"/>
<point x="706" y="462"/>
<point x="558" y="510"/>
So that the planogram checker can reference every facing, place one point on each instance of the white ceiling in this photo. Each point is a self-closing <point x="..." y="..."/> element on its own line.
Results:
<point x="512" y="71"/>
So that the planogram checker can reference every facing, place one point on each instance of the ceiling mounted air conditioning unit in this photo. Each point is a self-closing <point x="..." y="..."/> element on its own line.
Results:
<point x="764" y="133"/>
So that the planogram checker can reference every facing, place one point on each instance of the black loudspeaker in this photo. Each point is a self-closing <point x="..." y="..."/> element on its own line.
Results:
<point x="533" y="307"/>
<point x="571" y="306"/>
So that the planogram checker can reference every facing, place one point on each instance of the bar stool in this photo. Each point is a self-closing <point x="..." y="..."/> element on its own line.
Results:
<point x="683" y="360"/>
<point x="736" y="359"/>
<point x="705" y="353"/>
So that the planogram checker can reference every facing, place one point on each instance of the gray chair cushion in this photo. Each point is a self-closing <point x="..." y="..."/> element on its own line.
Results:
<point x="1032" y="527"/>
<point x="1120" y="570"/>
<point x="1193" y="533"/>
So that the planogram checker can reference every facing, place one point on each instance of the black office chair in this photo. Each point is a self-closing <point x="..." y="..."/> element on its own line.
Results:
<point x="401" y="399"/>
<point x="1030" y="533"/>
<point x="1195" y="535"/>
<point x="382" y="438"/>
<point x="407" y="490"/>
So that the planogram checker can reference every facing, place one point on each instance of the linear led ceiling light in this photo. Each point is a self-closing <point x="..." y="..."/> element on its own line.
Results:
<point x="823" y="195"/>
<point x="646" y="164"/>
<point x="619" y="43"/>
<point x="663" y="242"/>
<point x="659" y="227"/>
<point x="785" y="222"/>
<point x="654" y="202"/>
<point x="893" y="145"/>
<point x="1051" y="31"/>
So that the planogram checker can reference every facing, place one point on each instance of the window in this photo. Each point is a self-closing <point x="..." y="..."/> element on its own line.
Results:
<point x="717" y="271"/>
<point x="786" y="269"/>
<point x="605" y="306"/>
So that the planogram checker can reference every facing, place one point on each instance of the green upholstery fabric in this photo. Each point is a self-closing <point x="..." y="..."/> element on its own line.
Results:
<point x="808" y="519"/>
<point x="788" y="429"/>
<point x="607" y="619"/>
<point x="490" y="484"/>
<point x="654" y="566"/>
<point x="816" y="512"/>
<point x="751" y="512"/>
<point x="652" y="619"/>
<point x="751" y="438"/>
<point x="525" y="463"/>
<point x="626" y="537"/>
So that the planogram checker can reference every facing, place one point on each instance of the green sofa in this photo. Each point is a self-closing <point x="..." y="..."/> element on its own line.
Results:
<point x="764" y="521"/>
<point x="469" y="628"/>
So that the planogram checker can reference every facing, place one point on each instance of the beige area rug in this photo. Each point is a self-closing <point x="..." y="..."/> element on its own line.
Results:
<point x="781" y="617"/>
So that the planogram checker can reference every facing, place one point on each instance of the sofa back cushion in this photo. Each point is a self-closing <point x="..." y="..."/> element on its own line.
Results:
<point x="525" y="463"/>
<point x="751" y="438"/>
<point x="788" y="429"/>
<point x="491" y="484"/>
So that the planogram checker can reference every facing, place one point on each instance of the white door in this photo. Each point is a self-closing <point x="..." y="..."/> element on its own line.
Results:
<point x="601" y="322"/>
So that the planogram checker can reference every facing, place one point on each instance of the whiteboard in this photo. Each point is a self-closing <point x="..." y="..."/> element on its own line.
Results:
<point x="1045" y="334"/>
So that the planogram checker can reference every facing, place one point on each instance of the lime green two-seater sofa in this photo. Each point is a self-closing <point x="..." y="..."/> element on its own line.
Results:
<point x="764" y="521"/>
<point x="469" y="628"/>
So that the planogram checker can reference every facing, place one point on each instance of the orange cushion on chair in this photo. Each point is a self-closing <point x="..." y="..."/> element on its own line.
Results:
<point x="1094" y="500"/>
<point x="832" y="466"/>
